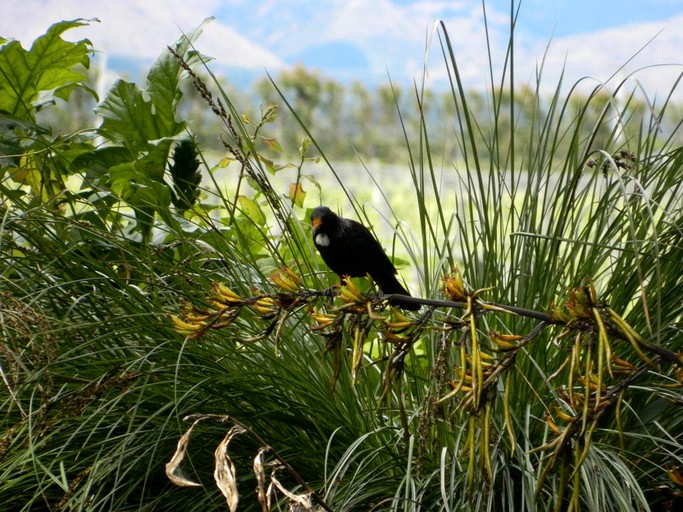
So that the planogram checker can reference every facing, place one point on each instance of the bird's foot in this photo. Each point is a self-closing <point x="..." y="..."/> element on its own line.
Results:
<point x="330" y="292"/>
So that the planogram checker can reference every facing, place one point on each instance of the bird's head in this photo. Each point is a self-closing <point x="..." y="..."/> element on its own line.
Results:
<point x="325" y="222"/>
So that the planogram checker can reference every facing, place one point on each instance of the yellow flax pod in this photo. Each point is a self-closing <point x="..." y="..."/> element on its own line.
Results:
<point x="265" y="306"/>
<point x="286" y="280"/>
<point x="186" y="328"/>
<point x="225" y="295"/>
<point x="454" y="287"/>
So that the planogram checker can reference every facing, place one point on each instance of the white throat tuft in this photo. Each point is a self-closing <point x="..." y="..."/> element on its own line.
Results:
<point x="322" y="240"/>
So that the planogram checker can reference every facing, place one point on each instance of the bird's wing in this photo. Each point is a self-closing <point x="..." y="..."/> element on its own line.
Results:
<point x="360" y="237"/>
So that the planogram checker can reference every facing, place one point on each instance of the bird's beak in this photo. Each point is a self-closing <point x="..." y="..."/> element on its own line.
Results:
<point x="316" y="222"/>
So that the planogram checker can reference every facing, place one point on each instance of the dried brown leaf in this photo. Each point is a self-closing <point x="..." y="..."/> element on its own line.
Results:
<point x="224" y="472"/>
<point x="263" y="494"/>
<point x="303" y="500"/>
<point x="172" y="471"/>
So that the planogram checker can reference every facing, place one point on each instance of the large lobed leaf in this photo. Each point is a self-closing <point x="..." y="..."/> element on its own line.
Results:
<point x="130" y="117"/>
<point x="44" y="71"/>
<point x="144" y="122"/>
<point x="137" y="117"/>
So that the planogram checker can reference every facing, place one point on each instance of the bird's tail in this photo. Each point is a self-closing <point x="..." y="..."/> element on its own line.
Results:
<point x="391" y="286"/>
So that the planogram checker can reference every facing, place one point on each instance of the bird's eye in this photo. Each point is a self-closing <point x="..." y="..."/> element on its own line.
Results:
<point x="322" y="240"/>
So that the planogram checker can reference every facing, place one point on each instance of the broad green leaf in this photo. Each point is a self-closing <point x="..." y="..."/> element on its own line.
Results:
<point x="156" y="159"/>
<point x="269" y="113"/>
<point x="121" y="178"/>
<point x="130" y="117"/>
<point x="251" y="210"/>
<point x="45" y="70"/>
<point x="27" y="173"/>
<point x="35" y="171"/>
<point x="254" y="184"/>
<point x="163" y="79"/>
<point x="131" y="182"/>
<point x="311" y="179"/>
<point x="96" y="164"/>
<point x="224" y="162"/>
<point x="272" y="143"/>
<point x="305" y="145"/>
<point x="137" y="118"/>
<point x="153" y="195"/>
<point x="72" y="151"/>
<point x="272" y="167"/>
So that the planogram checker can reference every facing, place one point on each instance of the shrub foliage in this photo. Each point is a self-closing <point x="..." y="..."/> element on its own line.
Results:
<point x="171" y="339"/>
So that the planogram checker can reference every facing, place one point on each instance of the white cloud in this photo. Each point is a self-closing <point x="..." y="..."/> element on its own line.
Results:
<point x="141" y="30"/>
<point x="231" y="49"/>
<point x="647" y="52"/>
<point x="395" y="37"/>
<point x="651" y="53"/>
<point x="391" y="35"/>
<point x="469" y="39"/>
<point x="362" y="20"/>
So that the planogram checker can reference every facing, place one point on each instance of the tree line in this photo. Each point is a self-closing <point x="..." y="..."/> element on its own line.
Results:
<point x="354" y="120"/>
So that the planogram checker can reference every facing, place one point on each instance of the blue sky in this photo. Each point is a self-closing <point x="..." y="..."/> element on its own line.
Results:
<point x="568" y="17"/>
<point x="365" y="40"/>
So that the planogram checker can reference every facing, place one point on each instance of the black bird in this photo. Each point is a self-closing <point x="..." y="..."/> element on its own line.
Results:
<point x="349" y="249"/>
